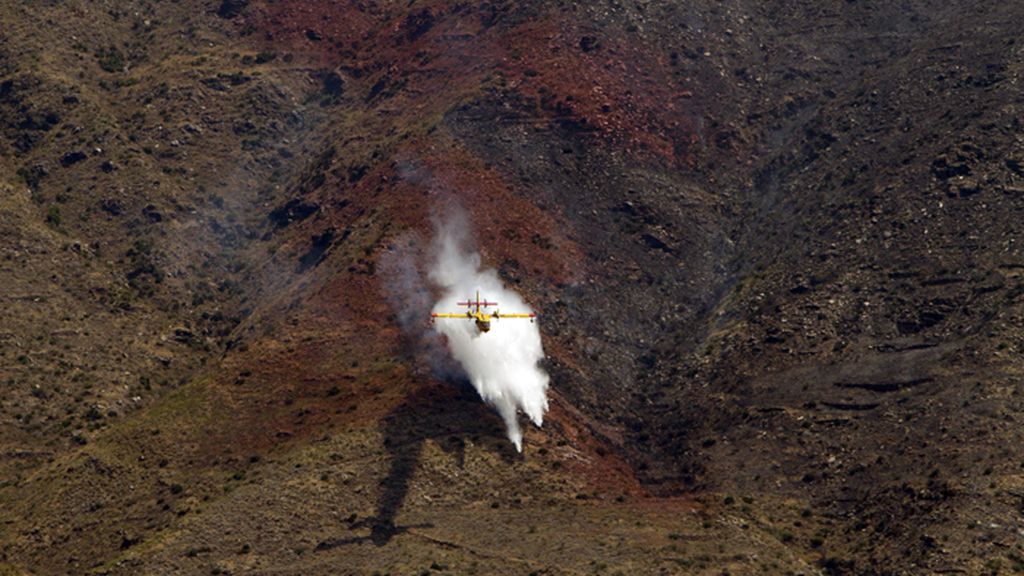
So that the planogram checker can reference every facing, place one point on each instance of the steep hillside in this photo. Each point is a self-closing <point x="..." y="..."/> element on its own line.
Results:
<point x="774" y="247"/>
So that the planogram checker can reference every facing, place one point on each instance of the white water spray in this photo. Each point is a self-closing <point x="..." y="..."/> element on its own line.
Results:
<point x="502" y="364"/>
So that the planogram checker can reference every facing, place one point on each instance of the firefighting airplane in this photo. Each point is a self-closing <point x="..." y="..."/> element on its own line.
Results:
<point x="483" y="319"/>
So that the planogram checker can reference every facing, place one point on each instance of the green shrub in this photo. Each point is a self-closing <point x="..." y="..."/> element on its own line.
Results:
<point x="53" y="216"/>
<point x="111" y="59"/>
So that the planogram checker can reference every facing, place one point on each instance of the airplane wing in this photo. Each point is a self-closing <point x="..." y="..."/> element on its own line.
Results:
<point x="503" y="315"/>
<point x="463" y="315"/>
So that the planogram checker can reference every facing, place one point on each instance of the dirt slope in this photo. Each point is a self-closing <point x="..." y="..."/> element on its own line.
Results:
<point x="774" y="247"/>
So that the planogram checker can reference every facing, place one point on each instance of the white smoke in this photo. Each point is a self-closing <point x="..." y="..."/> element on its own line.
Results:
<point x="502" y="364"/>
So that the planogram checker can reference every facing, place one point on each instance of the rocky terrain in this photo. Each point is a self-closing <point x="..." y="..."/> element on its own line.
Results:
<point x="774" y="247"/>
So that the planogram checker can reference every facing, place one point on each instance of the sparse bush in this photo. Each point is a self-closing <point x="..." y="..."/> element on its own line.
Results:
<point x="53" y="216"/>
<point x="833" y="565"/>
<point x="142" y="265"/>
<point x="111" y="59"/>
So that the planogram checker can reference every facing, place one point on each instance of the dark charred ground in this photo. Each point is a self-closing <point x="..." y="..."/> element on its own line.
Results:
<point x="774" y="246"/>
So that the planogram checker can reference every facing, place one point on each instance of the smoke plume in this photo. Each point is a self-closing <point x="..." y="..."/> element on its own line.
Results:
<point x="503" y="363"/>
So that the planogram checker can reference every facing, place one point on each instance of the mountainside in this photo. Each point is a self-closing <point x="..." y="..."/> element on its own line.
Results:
<point x="774" y="247"/>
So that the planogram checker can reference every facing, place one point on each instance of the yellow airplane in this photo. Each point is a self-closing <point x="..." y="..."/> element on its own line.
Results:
<point x="483" y="319"/>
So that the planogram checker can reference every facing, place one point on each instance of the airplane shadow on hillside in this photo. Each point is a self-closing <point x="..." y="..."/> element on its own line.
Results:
<point x="448" y="413"/>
